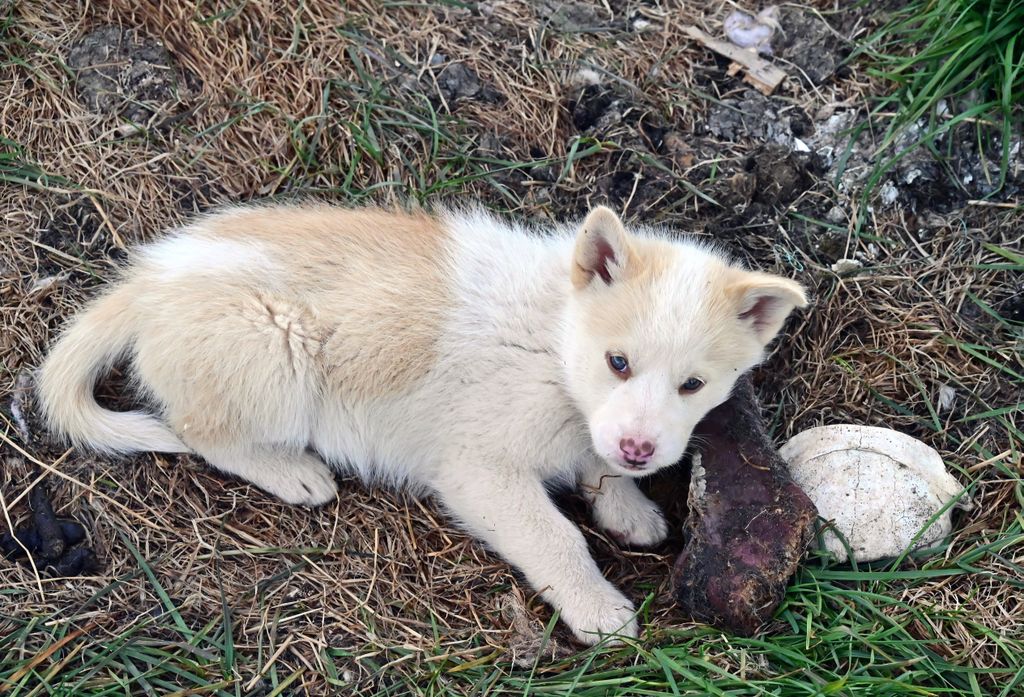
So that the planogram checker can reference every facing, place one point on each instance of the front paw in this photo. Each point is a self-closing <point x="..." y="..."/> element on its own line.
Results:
<point x="597" y="613"/>
<point x="305" y="482"/>
<point x="635" y="521"/>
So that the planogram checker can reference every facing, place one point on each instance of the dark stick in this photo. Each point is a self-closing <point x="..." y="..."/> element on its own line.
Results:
<point x="749" y="524"/>
<point x="28" y="535"/>
<point x="51" y="538"/>
<point x="47" y="537"/>
<point x="76" y="561"/>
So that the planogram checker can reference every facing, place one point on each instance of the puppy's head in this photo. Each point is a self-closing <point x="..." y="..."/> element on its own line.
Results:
<point x="658" y="333"/>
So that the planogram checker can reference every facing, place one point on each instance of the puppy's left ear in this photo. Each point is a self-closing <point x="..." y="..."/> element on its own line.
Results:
<point x="602" y="253"/>
<point x="762" y="302"/>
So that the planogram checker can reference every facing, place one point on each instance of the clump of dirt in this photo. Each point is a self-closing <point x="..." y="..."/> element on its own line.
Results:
<point x="751" y="193"/>
<point x="594" y="106"/>
<point x="961" y="164"/>
<point x="633" y="172"/>
<point x="1012" y="307"/>
<point x="458" y="81"/>
<point x="73" y="225"/>
<point x="610" y="112"/>
<point x="846" y="152"/>
<point x="576" y="17"/>
<point x="809" y="44"/>
<point x="751" y="115"/>
<point x="123" y="72"/>
<point x="450" y="83"/>
<point x="782" y="175"/>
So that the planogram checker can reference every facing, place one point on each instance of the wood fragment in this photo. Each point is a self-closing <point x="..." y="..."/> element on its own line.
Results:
<point x="749" y="523"/>
<point x="764" y="76"/>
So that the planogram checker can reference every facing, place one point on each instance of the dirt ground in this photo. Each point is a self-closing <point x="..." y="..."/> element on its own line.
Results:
<point x="121" y="118"/>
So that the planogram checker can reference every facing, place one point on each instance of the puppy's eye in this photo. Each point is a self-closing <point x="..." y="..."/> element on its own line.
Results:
<point x="619" y="365"/>
<point x="691" y="385"/>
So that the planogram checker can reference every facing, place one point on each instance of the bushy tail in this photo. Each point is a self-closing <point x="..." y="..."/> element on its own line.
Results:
<point x="65" y="383"/>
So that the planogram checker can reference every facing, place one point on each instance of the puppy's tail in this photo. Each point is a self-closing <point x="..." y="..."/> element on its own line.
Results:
<point x="65" y="383"/>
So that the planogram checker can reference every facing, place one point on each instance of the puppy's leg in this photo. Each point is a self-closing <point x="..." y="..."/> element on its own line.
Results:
<point x="238" y="379"/>
<point x="515" y="516"/>
<point x="621" y="509"/>
<point x="294" y="477"/>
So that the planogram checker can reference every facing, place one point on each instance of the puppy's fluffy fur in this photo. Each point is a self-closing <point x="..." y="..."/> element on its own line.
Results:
<point x="458" y="355"/>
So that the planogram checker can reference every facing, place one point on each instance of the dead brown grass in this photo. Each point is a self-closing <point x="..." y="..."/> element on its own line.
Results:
<point x="276" y="101"/>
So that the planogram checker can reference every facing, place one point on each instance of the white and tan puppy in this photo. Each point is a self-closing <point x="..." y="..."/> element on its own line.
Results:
<point x="457" y="355"/>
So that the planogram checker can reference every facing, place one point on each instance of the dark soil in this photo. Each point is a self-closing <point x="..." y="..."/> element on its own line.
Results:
<point x="124" y="72"/>
<point x="811" y="47"/>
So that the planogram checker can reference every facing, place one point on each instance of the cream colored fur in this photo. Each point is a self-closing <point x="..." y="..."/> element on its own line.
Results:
<point x="458" y="355"/>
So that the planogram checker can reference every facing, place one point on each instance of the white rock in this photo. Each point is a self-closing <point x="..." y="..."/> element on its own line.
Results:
<point x="889" y="193"/>
<point x="585" y="76"/>
<point x="845" y="267"/>
<point x="836" y="215"/>
<point x="947" y="397"/>
<point x="879" y="488"/>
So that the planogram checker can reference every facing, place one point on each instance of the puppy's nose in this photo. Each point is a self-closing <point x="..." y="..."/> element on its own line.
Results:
<point x="635" y="451"/>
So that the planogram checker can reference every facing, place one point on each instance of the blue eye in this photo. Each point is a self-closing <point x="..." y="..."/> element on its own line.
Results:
<point x="618" y="364"/>
<point x="691" y="385"/>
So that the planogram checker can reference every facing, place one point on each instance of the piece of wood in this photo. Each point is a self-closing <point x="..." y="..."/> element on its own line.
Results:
<point x="764" y="76"/>
<point x="749" y="524"/>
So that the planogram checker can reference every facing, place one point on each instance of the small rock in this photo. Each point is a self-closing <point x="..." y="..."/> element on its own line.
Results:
<point x="888" y="193"/>
<point x="458" y="81"/>
<point x="847" y="267"/>
<point x="584" y="77"/>
<point x="931" y="221"/>
<point x="947" y="396"/>
<point x="678" y="149"/>
<point x="836" y="215"/>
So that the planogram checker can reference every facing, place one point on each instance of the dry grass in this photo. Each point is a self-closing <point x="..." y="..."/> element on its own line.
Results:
<point x="206" y="580"/>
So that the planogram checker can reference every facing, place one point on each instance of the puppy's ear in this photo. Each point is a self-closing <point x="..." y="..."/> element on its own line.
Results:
<point x="602" y="250"/>
<point x="762" y="302"/>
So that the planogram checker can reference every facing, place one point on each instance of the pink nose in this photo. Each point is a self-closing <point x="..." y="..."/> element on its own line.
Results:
<point x="636" y="452"/>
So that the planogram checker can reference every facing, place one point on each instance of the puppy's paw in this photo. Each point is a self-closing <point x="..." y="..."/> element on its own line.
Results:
<point x="633" y="520"/>
<point x="306" y="482"/>
<point x="600" y="613"/>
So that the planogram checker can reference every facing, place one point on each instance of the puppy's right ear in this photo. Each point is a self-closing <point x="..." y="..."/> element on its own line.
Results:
<point x="763" y="301"/>
<point x="602" y="252"/>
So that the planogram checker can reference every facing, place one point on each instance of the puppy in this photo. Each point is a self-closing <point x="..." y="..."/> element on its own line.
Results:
<point x="466" y="358"/>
